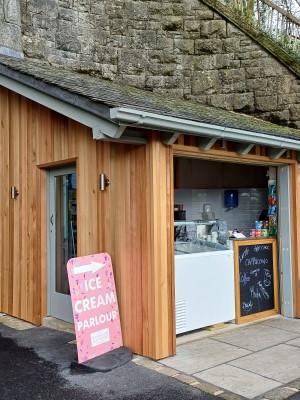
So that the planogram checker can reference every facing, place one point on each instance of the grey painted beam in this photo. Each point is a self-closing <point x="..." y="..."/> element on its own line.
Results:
<point x="276" y="152"/>
<point x="244" y="148"/>
<point x="109" y="130"/>
<point x="129" y="139"/>
<point x="206" y="143"/>
<point x="170" y="138"/>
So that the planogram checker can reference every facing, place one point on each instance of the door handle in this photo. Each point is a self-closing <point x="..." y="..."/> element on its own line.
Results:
<point x="51" y="220"/>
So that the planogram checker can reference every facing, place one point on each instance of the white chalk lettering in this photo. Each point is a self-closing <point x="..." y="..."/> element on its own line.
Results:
<point x="244" y="279"/>
<point x="247" y="307"/>
<point x="261" y="248"/>
<point x="249" y="262"/>
<point x="245" y="253"/>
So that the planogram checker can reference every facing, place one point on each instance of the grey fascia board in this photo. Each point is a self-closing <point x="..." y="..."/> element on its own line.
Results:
<point x="98" y="124"/>
<point x="171" y="124"/>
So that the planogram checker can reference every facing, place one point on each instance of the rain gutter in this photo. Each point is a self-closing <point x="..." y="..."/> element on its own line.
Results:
<point x="147" y="120"/>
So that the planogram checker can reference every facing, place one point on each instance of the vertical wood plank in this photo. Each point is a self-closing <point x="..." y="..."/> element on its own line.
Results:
<point x="4" y="198"/>
<point x="295" y="234"/>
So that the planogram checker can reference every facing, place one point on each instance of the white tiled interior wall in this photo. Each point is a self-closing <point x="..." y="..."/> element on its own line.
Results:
<point x="251" y="203"/>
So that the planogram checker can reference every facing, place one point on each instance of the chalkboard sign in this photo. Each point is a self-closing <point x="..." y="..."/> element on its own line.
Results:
<point x="256" y="279"/>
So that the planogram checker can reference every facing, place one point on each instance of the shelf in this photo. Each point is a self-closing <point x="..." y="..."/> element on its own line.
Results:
<point x="195" y="222"/>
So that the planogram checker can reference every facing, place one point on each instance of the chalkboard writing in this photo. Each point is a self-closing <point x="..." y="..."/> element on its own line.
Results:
<point x="256" y="280"/>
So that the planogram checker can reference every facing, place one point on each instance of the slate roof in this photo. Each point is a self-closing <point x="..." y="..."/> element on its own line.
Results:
<point x="74" y="87"/>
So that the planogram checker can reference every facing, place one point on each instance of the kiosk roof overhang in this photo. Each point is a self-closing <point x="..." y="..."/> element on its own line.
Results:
<point x="111" y="109"/>
<point x="148" y="120"/>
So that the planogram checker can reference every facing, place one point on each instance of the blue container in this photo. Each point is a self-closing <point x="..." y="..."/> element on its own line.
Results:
<point x="231" y="198"/>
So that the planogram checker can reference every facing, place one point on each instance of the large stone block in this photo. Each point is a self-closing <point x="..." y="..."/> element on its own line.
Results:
<point x="97" y="7"/>
<point x="213" y="29"/>
<point x="205" y="82"/>
<point x="192" y="25"/>
<point x="279" y="84"/>
<point x="232" y="75"/>
<point x="162" y="56"/>
<point x="135" y="10"/>
<point x="104" y="55"/>
<point x="295" y="86"/>
<point x="226" y="61"/>
<point x="252" y="72"/>
<point x="47" y="7"/>
<point x="160" y="69"/>
<point x="295" y="112"/>
<point x="221" y="101"/>
<point x="183" y="8"/>
<point x="10" y="36"/>
<point x="232" y="80"/>
<point x="233" y="31"/>
<point x="140" y="24"/>
<point x="115" y="9"/>
<point x="82" y="5"/>
<point x="270" y="67"/>
<point x="172" y="23"/>
<point x="208" y="46"/>
<point x="231" y="45"/>
<point x="285" y="100"/>
<point x="266" y="103"/>
<point x="118" y="26"/>
<point x="164" y="43"/>
<point x="134" y="80"/>
<point x="205" y="62"/>
<point x="67" y="43"/>
<point x="204" y="13"/>
<point x="67" y="14"/>
<point x="243" y="102"/>
<point x="153" y="82"/>
<point x="256" y="84"/>
<point x="184" y="46"/>
<point x="131" y="62"/>
<point x="174" y="82"/>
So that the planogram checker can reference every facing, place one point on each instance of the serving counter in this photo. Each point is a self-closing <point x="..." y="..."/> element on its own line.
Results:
<point x="216" y="283"/>
<point x="204" y="289"/>
<point x="204" y="278"/>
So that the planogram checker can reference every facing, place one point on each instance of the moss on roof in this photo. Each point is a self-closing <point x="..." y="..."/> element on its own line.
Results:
<point x="113" y="94"/>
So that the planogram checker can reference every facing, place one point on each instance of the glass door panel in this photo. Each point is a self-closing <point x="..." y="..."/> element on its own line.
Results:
<point x="62" y="210"/>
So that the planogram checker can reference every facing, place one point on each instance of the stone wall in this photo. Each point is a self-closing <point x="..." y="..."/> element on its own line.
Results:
<point x="10" y="28"/>
<point x="180" y="48"/>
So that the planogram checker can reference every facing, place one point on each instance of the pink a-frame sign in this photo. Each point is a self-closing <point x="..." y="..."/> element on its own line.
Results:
<point x="95" y="305"/>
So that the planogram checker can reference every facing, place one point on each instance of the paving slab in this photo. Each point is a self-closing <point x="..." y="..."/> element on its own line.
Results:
<point x="238" y="381"/>
<point x="203" y="354"/>
<point x="280" y="363"/>
<point x="15" y="323"/>
<point x="294" y="342"/>
<point x="280" y="393"/>
<point x="256" y="337"/>
<point x="287" y="324"/>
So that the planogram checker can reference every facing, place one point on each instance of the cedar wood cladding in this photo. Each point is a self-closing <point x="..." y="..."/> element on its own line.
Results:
<point x="118" y="221"/>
